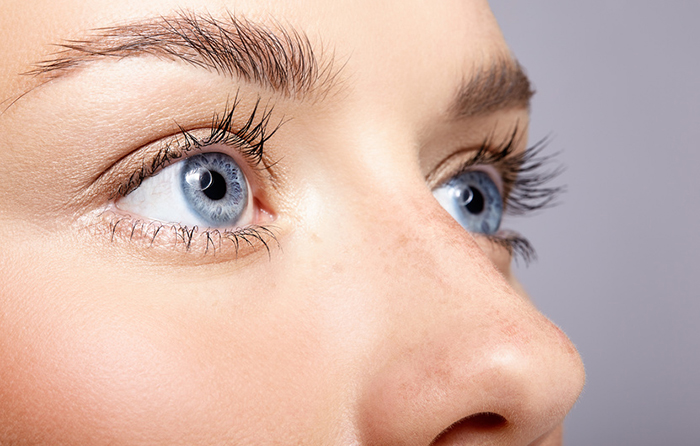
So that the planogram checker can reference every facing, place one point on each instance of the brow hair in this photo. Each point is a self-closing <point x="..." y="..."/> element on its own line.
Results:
<point x="500" y="85"/>
<point x="279" y="58"/>
<point x="276" y="57"/>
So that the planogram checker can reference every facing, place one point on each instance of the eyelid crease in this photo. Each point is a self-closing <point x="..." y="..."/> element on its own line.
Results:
<point x="486" y="154"/>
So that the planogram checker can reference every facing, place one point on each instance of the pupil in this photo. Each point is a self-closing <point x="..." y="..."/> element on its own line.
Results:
<point x="217" y="188"/>
<point x="476" y="205"/>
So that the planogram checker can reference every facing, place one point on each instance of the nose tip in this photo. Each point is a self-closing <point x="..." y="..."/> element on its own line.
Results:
<point x="509" y="391"/>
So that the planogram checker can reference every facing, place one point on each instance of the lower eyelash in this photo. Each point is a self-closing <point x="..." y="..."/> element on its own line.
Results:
<point x="519" y="248"/>
<point x="190" y="239"/>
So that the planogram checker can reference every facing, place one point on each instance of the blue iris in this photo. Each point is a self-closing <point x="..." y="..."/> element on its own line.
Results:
<point x="473" y="199"/>
<point x="214" y="188"/>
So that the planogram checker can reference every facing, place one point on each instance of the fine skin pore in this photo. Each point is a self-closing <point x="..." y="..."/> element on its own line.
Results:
<point x="363" y="314"/>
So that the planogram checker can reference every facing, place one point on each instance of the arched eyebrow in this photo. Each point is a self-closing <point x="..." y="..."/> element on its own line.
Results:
<point x="277" y="58"/>
<point x="498" y="86"/>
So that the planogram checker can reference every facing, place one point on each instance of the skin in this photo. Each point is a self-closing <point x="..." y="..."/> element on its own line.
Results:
<point x="373" y="319"/>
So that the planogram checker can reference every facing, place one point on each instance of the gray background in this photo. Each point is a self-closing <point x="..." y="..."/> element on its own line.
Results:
<point x="619" y="90"/>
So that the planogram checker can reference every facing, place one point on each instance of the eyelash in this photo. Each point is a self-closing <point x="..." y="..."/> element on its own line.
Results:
<point x="248" y="140"/>
<point x="525" y="176"/>
<point x="250" y="236"/>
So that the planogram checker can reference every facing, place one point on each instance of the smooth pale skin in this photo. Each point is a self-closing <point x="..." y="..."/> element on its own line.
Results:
<point x="378" y="320"/>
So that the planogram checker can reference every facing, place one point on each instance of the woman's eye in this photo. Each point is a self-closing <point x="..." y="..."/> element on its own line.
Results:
<point x="205" y="190"/>
<point x="473" y="199"/>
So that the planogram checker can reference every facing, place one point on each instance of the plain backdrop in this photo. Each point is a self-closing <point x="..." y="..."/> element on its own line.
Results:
<point x="618" y="89"/>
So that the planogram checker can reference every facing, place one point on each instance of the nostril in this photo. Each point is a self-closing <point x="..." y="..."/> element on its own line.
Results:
<point x="469" y="426"/>
<point x="484" y="420"/>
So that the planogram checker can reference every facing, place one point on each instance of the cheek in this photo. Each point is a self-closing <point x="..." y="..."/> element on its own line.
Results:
<point x="75" y="374"/>
<point x="84" y="365"/>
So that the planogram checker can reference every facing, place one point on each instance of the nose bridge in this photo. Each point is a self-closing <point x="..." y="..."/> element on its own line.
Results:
<point x="455" y="341"/>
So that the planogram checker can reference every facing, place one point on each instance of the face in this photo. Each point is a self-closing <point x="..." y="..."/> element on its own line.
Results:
<point x="252" y="222"/>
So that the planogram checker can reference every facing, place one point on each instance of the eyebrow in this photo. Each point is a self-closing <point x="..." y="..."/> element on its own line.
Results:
<point x="501" y="85"/>
<point x="280" y="58"/>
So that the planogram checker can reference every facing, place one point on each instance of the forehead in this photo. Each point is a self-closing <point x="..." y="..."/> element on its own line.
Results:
<point x="409" y="54"/>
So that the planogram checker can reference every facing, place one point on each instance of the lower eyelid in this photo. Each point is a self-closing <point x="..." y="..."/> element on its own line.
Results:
<point x="168" y="242"/>
<point x="518" y="247"/>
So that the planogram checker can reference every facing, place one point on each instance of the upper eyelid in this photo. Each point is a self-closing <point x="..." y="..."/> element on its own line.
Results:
<point x="526" y="174"/>
<point x="248" y="136"/>
<point x="244" y="139"/>
<point x="487" y="153"/>
<point x="488" y="169"/>
<point x="165" y="153"/>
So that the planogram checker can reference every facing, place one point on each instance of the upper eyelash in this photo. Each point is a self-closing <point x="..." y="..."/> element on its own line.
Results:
<point x="525" y="175"/>
<point x="249" y="139"/>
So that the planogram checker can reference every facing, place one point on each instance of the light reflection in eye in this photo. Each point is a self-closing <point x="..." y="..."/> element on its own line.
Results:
<point x="206" y="190"/>
<point x="473" y="199"/>
<point x="199" y="179"/>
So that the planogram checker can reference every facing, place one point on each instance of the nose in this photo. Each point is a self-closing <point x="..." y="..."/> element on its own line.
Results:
<point x="459" y="356"/>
